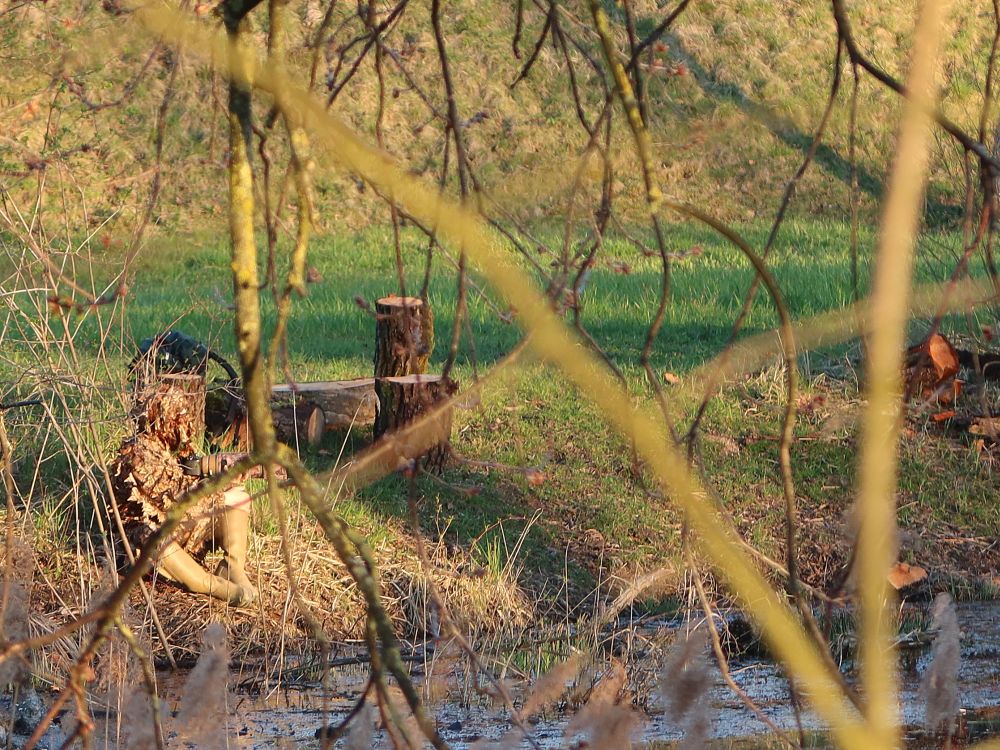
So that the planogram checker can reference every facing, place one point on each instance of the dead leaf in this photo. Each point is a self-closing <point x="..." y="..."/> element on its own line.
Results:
<point x="941" y="416"/>
<point x="902" y="575"/>
<point x="535" y="477"/>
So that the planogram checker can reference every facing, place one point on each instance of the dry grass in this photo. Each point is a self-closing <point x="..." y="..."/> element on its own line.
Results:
<point x="272" y="629"/>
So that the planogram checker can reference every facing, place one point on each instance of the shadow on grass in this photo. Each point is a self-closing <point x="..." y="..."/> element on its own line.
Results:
<point x="939" y="214"/>
<point x="560" y="550"/>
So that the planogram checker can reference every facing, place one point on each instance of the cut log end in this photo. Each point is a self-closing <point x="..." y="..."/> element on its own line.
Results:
<point x="300" y="422"/>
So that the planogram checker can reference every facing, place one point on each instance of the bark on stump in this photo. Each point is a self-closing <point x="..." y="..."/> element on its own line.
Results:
<point x="345" y="403"/>
<point x="401" y="401"/>
<point x="404" y="336"/>
<point x="303" y="419"/>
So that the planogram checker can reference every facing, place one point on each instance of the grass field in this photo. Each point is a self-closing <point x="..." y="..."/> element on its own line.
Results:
<point x="185" y="283"/>
<point x="729" y="131"/>
<point x="545" y="535"/>
<point x="589" y="525"/>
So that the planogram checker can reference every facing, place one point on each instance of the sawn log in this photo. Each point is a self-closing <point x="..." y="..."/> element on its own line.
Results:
<point x="345" y="403"/>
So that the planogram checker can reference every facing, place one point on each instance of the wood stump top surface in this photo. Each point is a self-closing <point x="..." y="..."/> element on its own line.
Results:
<point x="325" y="385"/>
<point x="182" y="376"/>
<point x="412" y="379"/>
<point x="185" y="381"/>
<point x="400" y="302"/>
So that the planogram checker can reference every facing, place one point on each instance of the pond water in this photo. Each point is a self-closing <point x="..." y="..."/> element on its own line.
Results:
<point x="290" y="718"/>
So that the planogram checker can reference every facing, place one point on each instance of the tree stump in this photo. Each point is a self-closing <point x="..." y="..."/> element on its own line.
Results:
<point x="404" y="336"/>
<point x="302" y="419"/>
<point x="226" y="416"/>
<point x="345" y="403"/>
<point x="401" y="401"/>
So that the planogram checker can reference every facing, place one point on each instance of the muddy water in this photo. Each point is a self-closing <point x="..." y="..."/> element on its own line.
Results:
<point x="290" y="718"/>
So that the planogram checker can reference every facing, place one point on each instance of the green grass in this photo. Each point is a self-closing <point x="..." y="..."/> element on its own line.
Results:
<point x="185" y="283"/>
<point x="531" y="418"/>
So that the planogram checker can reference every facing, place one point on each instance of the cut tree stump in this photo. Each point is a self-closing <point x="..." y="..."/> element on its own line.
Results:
<point x="401" y="401"/>
<point x="303" y="419"/>
<point x="226" y="416"/>
<point x="931" y="368"/>
<point x="345" y="403"/>
<point x="404" y="336"/>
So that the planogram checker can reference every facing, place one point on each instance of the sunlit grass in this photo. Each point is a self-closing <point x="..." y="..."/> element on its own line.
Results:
<point x="534" y="419"/>
<point x="189" y="288"/>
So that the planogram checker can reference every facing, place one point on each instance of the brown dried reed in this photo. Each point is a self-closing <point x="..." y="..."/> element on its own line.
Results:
<point x="939" y="686"/>
<point x="18" y="564"/>
<point x="203" y="702"/>
<point x="551" y="685"/>
<point x="684" y="684"/>
<point x="361" y="731"/>
<point x="138" y="722"/>
<point x="607" y="718"/>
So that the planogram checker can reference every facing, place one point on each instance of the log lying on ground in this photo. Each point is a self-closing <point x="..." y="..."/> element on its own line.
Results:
<point x="226" y="416"/>
<point x="404" y="336"/>
<point x="404" y="399"/>
<point x="344" y="402"/>
<point x="301" y="421"/>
